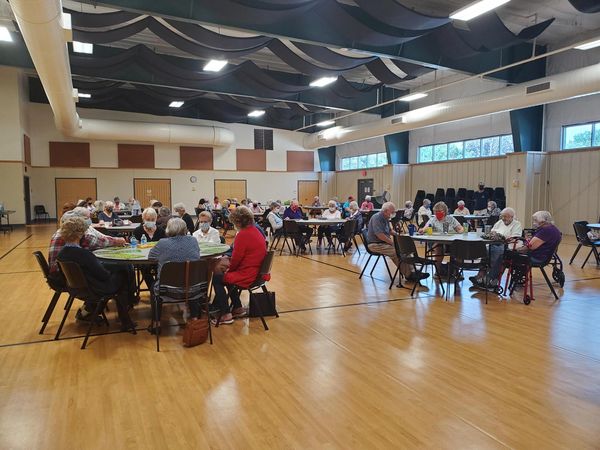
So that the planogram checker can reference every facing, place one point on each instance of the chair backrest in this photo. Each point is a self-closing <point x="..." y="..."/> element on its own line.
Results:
<point x="405" y="246"/>
<point x="222" y="239"/>
<point x="581" y="231"/>
<point x="173" y="283"/>
<point x="461" y="250"/>
<point x="267" y="264"/>
<point x="290" y="227"/>
<point x="461" y="194"/>
<point x="74" y="276"/>
<point x="460" y="219"/>
<point x="41" y="259"/>
<point x="364" y="234"/>
<point x="39" y="209"/>
<point x="499" y="193"/>
<point x="492" y="220"/>
<point x="431" y="198"/>
<point x="490" y="192"/>
<point x="348" y="229"/>
<point x="439" y="192"/>
<point x="450" y="192"/>
<point x="469" y="195"/>
<point x="136" y="219"/>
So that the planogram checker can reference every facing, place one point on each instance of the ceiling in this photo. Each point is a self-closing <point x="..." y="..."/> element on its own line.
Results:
<point x="427" y="57"/>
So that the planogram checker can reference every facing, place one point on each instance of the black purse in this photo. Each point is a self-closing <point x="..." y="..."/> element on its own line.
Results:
<point x="262" y="302"/>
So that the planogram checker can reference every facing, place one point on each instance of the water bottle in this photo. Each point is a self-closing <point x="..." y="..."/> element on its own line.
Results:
<point x="133" y="242"/>
<point x="143" y="240"/>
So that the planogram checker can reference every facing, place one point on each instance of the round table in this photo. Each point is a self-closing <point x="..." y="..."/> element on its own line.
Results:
<point x="139" y="256"/>
<point x="593" y="226"/>
<point x="109" y="229"/>
<point x="440" y="238"/>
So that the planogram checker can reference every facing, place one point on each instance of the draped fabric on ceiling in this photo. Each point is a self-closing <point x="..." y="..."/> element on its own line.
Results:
<point x="397" y="15"/>
<point x="586" y="6"/>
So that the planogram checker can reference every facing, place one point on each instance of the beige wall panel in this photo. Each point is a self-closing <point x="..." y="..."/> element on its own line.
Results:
<point x="73" y="189"/>
<point x="327" y="185"/>
<point x="307" y="190"/>
<point x="231" y="189"/>
<point x="347" y="182"/>
<point x="11" y="190"/>
<point x="147" y="189"/>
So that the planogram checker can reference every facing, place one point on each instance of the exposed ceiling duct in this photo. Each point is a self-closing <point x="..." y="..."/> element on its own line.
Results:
<point x="40" y="22"/>
<point x="558" y="87"/>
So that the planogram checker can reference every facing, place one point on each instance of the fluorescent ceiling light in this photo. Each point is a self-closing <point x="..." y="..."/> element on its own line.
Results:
<point x="66" y="21"/>
<point x="256" y="113"/>
<point x="411" y="97"/>
<point x="476" y="9"/>
<point x="82" y="47"/>
<point x="325" y="123"/>
<point x="215" y="65"/>
<point x="5" y="35"/>
<point x="588" y="45"/>
<point x="324" y="81"/>
<point x="84" y="95"/>
<point x="176" y="104"/>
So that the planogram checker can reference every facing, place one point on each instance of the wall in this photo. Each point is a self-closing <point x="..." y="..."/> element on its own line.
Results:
<point x="366" y="147"/>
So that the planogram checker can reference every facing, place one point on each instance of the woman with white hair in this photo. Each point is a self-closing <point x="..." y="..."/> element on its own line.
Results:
<point x="461" y="209"/>
<point x="108" y="214"/>
<point x="367" y="205"/>
<point x="331" y="213"/>
<point x="148" y="227"/>
<point x="179" y="209"/>
<point x="206" y="233"/>
<point x="408" y="210"/>
<point x="545" y="238"/>
<point x="424" y="213"/>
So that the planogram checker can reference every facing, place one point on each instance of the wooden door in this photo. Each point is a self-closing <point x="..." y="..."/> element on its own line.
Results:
<point x="307" y="191"/>
<point x="147" y="189"/>
<point x="72" y="190"/>
<point x="225" y="189"/>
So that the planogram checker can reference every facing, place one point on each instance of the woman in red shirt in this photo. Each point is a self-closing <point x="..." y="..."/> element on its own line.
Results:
<point x="249" y="250"/>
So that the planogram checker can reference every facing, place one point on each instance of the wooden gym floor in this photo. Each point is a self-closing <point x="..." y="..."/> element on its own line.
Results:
<point x="349" y="364"/>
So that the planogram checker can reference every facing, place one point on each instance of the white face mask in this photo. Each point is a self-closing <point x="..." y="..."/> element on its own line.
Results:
<point x="150" y="225"/>
<point x="205" y="226"/>
<point x="332" y="208"/>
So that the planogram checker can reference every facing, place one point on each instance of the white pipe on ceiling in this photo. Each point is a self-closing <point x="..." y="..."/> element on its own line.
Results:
<point x="40" y="23"/>
<point x="562" y="86"/>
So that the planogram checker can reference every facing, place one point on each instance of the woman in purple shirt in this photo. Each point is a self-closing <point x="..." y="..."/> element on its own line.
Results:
<point x="545" y="239"/>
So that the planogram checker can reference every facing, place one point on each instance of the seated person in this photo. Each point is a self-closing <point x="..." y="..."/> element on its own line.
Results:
<point x="135" y="207"/>
<point x="164" y="215"/>
<point x="438" y="222"/>
<point x="355" y="214"/>
<point x="545" y="238"/>
<point x="316" y="201"/>
<point x="492" y="209"/>
<point x="424" y="212"/>
<point x="367" y="205"/>
<point x="408" y="210"/>
<point x="153" y="233"/>
<point x="295" y="213"/>
<point x="346" y="206"/>
<point x="461" y="209"/>
<point x="509" y="229"/>
<point x="89" y="204"/>
<point x="179" y="209"/>
<point x="69" y="206"/>
<point x="332" y="213"/>
<point x="256" y="208"/>
<point x="178" y="246"/>
<point x="108" y="214"/>
<point x="203" y="205"/>
<point x="118" y="206"/>
<point x="248" y="253"/>
<point x="216" y="205"/>
<point x="275" y="219"/>
<point x="114" y="281"/>
<point x="380" y="241"/>
<point x="205" y="232"/>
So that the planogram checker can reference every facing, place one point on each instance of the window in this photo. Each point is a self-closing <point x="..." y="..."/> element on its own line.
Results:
<point x="263" y="139"/>
<point x="581" y="136"/>
<point x="364" y="161"/>
<point x="471" y="148"/>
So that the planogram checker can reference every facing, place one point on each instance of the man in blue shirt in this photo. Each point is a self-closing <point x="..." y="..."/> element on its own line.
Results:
<point x="294" y="212"/>
<point x="480" y="200"/>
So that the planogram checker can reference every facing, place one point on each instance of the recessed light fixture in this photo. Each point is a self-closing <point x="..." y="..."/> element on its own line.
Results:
<point x="588" y="45"/>
<point x="476" y="9"/>
<point x="215" y="65"/>
<point x="256" y="113"/>
<point x="411" y="97"/>
<point x="5" y="35"/>
<point x="83" y="47"/>
<point x="84" y="95"/>
<point x="66" y="21"/>
<point x="324" y="81"/>
<point x="176" y="104"/>
<point x="325" y="123"/>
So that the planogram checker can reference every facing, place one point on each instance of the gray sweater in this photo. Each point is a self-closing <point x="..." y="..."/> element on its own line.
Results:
<point x="174" y="249"/>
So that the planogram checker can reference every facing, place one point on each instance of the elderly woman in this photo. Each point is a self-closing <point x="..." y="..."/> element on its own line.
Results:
<point x="177" y="247"/>
<point x="100" y="280"/>
<point x="108" y="214"/>
<point x="148" y="227"/>
<point x="179" y="209"/>
<point x="134" y="205"/>
<point x="367" y="205"/>
<point x="331" y="213"/>
<point x="506" y="230"/>
<point x="206" y="233"/>
<point x="492" y="209"/>
<point x="408" y="210"/>
<point x="461" y="209"/>
<point x="424" y="212"/>
<point x="164" y="215"/>
<point x="355" y="214"/>
<point x="275" y="219"/>
<point x="545" y="238"/>
<point x="441" y="222"/>
<point x="249" y="250"/>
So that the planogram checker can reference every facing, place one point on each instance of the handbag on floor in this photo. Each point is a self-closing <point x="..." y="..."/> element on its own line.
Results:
<point x="196" y="330"/>
<point x="263" y="302"/>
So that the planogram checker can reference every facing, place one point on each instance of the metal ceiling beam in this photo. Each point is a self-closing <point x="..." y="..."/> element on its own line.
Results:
<point x="413" y="51"/>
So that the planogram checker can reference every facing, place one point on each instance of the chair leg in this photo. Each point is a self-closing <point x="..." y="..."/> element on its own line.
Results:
<point x="157" y="314"/>
<point x="208" y="318"/>
<point x="356" y="244"/>
<point x="62" y="322"/>
<point x="264" y="322"/>
<point x="365" y="267"/>
<point x="394" y="277"/>
<point x="99" y="308"/>
<point x="575" y="253"/>
<point x="50" y="310"/>
<point x="374" y="265"/>
<point x="387" y="266"/>
<point x="588" y="257"/>
<point x="549" y="283"/>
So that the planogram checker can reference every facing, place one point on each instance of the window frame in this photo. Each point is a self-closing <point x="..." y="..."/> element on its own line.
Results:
<point x="595" y="124"/>
<point x="464" y="141"/>
<point x="358" y="158"/>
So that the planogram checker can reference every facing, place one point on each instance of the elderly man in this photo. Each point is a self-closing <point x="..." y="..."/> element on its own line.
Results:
<point x="379" y="240"/>
<point x="91" y="240"/>
<point x="506" y="230"/>
<point x="295" y="213"/>
<point x="179" y="209"/>
<point x="206" y="233"/>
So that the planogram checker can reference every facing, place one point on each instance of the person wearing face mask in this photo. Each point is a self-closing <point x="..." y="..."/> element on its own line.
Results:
<point x="179" y="209"/>
<point x="507" y="230"/>
<point x="206" y="233"/>
<point x="89" y="204"/>
<point x="332" y="213"/>
<point x="545" y="238"/>
<point x="437" y="222"/>
<point x="367" y="205"/>
<point x="480" y="200"/>
<point x="275" y="219"/>
<point x="492" y="209"/>
<point x="424" y="212"/>
<point x="256" y="208"/>
<point x="118" y="206"/>
<point x="108" y="214"/>
<point x="148" y="227"/>
<point x="461" y="209"/>
<point x="295" y="213"/>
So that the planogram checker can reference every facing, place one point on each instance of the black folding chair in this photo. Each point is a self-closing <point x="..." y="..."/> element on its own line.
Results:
<point x="408" y="254"/>
<point x="345" y="234"/>
<point x="371" y="254"/>
<point x="292" y="231"/>
<point x="581" y="233"/>
<point x="181" y="282"/>
<point x="40" y="211"/>
<point x="58" y="289"/>
<point x="466" y="255"/>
